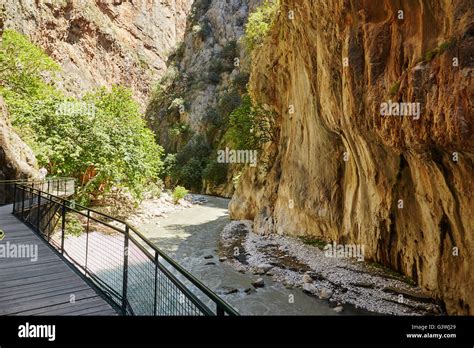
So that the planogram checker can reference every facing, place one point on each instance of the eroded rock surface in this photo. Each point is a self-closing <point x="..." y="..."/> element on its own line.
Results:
<point x="340" y="171"/>
<point x="201" y="81"/>
<point x="103" y="42"/>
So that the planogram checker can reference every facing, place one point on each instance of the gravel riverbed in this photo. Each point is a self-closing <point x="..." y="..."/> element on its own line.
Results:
<point x="340" y="281"/>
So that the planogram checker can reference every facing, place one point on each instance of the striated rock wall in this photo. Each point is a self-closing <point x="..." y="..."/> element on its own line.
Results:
<point x="202" y="76"/>
<point x="341" y="171"/>
<point x="103" y="42"/>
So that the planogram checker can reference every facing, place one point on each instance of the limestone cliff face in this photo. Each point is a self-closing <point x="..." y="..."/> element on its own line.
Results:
<point x="202" y="77"/>
<point x="17" y="161"/>
<point x="103" y="42"/>
<point x="343" y="172"/>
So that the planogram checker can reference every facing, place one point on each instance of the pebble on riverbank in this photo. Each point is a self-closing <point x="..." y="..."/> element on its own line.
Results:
<point x="259" y="283"/>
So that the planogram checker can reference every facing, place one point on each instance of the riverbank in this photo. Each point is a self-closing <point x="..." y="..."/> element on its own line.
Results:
<point x="191" y="236"/>
<point x="162" y="206"/>
<point x="339" y="281"/>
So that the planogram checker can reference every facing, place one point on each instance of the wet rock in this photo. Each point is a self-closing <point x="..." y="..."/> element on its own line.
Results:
<point x="338" y="309"/>
<point x="227" y="290"/>
<point x="264" y="267"/>
<point x="207" y="257"/>
<point x="195" y="199"/>
<point x="259" y="283"/>
<point x="316" y="275"/>
<point x="222" y="259"/>
<point x="210" y="264"/>
<point x="249" y="290"/>
<point x="310" y="288"/>
<point x="325" y="294"/>
<point x="307" y="278"/>
<point x="271" y="272"/>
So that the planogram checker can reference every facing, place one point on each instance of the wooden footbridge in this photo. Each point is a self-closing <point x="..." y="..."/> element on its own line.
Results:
<point x="60" y="258"/>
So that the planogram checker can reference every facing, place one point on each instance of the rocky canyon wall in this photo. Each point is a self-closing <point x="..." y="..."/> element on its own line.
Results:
<point x="203" y="81"/>
<point x="97" y="43"/>
<point x="341" y="171"/>
<point x="103" y="42"/>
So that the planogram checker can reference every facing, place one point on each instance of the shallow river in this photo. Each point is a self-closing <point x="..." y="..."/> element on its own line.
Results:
<point x="193" y="233"/>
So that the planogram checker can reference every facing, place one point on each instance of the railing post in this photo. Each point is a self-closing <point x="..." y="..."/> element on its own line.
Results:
<point x="50" y="218"/>
<point x="39" y="212"/>
<point x="14" y="198"/>
<point x="156" y="280"/>
<point x="125" y="272"/>
<point x="87" y="241"/>
<point x="22" y="202"/>
<point x="31" y="202"/>
<point x="63" y="226"/>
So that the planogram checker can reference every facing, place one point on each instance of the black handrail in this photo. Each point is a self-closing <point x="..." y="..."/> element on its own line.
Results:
<point x="7" y="186"/>
<point x="132" y="237"/>
<point x="39" y="181"/>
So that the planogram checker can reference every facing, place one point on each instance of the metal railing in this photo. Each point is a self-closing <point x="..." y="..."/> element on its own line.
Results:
<point x="130" y="270"/>
<point x="60" y="186"/>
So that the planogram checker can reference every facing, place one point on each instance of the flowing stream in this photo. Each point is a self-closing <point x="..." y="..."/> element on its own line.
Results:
<point x="191" y="237"/>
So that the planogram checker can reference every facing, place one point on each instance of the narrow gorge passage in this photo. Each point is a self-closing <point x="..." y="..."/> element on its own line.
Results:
<point x="192" y="234"/>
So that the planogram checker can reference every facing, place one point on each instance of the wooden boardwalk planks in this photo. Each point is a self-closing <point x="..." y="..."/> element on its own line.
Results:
<point x="44" y="286"/>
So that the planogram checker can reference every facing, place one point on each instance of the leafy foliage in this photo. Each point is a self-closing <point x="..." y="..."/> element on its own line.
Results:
<point x="107" y="142"/>
<point x="73" y="226"/>
<point x="179" y="192"/>
<point x="228" y="103"/>
<point x="230" y="52"/>
<point x="259" y="24"/>
<point x="216" y="68"/>
<point x="180" y="130"/>
<point x="121" y="147"/>
<point x="23" y="67"/>
<point x="240" y="81"/>
<point x="200" y="7"/>
<point x="216" y="173"/>
<point x="187" y="166"/>
<point x="250" y="126"/>
<point x="205" y="30"/>
<point x="177" y="53"/>
<point x="169" y="165"/>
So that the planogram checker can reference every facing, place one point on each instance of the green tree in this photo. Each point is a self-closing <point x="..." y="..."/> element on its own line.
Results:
<point x="24" y="67"/>
<point x="179" y="193"/>
<point x="126" y="150"/>
<point x="103" y="133"/>
<point x="186" y="167"/>
<point x="259" y="23"/>
<point x="250" y="126"/>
